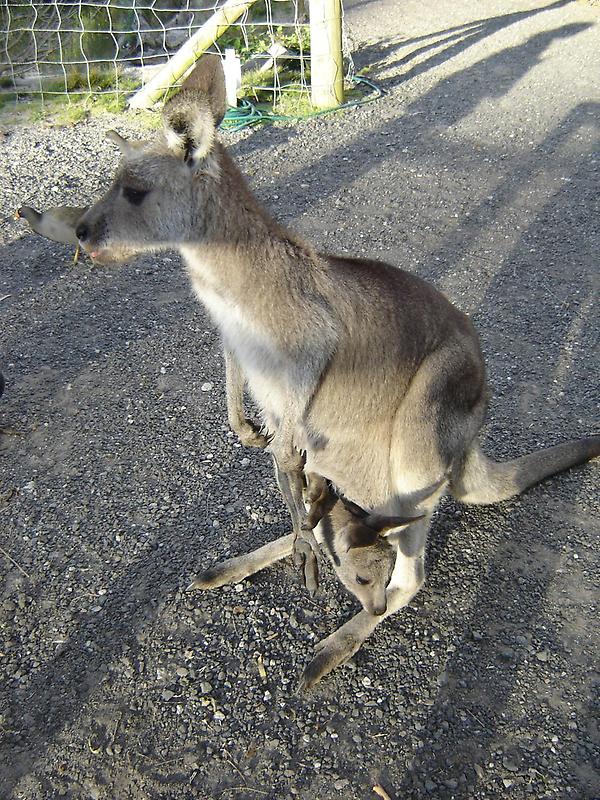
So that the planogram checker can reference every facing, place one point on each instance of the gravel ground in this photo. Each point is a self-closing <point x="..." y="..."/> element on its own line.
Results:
<point x="479" y="171"/>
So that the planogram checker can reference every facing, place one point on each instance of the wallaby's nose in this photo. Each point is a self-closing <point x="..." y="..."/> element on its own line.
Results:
<point x="379" y="610"/>
<point x="82" y="231"/>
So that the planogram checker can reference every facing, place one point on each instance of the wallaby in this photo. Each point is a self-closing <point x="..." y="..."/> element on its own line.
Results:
<point x="365" y="368"/>
<point x="354" y="541"/>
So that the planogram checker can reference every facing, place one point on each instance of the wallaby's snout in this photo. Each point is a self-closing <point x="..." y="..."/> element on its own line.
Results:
<point x="379" y="609"/>
<point x="82" y="231"/>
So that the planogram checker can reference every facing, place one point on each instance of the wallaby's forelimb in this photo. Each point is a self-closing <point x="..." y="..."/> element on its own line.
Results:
<point x="290" y="479"/>
<point x="319" y="497"/>
<point x="235" y="570"/>
<point x="247" y="431"/>
<point x="483" y="481"/>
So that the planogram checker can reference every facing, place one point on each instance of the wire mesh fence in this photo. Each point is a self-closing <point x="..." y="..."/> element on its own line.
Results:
<point x="86" y="49"/>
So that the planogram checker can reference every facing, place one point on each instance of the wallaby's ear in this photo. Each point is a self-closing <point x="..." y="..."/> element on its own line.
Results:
<point x="189" y="127"/>
<point x="357" y="535"/>
<point x="386" y="526"/>
<point x="125" y="146"/>
<point x="208" y="77"/>
<point x="119" y="140"/>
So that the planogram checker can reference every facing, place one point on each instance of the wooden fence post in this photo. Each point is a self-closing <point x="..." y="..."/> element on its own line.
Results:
<point x="326" y="65"/>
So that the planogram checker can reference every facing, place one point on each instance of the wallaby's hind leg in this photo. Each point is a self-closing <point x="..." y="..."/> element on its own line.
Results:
<point x="235" y="570"/>
<point x="342" y="644"/>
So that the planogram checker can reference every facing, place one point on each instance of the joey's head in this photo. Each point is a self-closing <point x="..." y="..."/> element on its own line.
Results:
<point x="363" y="557"/>
<point x="161" y="195"/>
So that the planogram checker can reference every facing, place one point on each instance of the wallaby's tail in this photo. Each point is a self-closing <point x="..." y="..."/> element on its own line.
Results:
<point x="483" y="481"/>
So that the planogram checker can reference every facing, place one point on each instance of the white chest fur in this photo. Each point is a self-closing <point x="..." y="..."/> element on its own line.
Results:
<point x="265" y="367"/>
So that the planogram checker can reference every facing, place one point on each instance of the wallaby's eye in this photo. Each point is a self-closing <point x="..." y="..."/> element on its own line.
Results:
<point x="134" y="196"/>
<point x="362" y="581"/>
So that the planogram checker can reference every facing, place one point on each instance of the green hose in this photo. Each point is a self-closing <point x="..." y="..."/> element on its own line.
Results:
<point x="247" y="113"/>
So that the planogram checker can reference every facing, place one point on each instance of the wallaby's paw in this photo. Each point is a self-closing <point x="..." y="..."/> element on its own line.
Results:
<point x="330" y="653"/>
<point x="211" y="578"/>
<point x="250" y="436"/>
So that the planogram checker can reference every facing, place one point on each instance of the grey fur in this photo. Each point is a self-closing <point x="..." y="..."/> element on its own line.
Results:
<point x="368" y="358"/>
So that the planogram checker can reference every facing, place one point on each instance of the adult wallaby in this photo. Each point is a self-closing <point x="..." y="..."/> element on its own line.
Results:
<point x="365" y="368"/>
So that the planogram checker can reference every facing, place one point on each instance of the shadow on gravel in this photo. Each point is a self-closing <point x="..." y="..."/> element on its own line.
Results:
<point x="453" y="41"/>
<point x="419" y="127"/>
<point x="56" y="696"/>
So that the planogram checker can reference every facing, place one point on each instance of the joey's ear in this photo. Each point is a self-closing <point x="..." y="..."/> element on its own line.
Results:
<point x="208" y="78"/>
<point x="189" y="127"/>
<point x="386" y="526"/>
<point x="357" y="535"/>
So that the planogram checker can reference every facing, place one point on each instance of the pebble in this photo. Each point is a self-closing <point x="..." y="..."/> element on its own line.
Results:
<point x="542" y="655"/>
<point x="206" y="387"/>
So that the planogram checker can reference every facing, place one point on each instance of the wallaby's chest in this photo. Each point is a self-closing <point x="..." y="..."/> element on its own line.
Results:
<point x="266" y="368"/>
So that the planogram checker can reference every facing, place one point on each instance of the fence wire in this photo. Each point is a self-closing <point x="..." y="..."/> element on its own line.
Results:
<point x="87" y="48"/>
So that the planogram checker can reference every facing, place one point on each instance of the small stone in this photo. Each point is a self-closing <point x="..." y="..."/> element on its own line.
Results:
<point x="219" y="716"/>
<point x="451" y="783"/>
<point x="509" y="765"/>
<point x="206" y="387"/>
<point x="206" y="687"/>
<point x="167" y="694"/>
<point x="542" y="655"/>
<point x="341" y="784"/>
<point x="182" y="672"/>
<point x="507" y="783"/>
<point x="366" y="681"/>
<point x="430" y="786"/>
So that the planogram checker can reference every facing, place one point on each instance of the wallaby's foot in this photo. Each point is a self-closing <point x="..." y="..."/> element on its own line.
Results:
<point x="250" y="436"/>
<point x="330" y="653"/>
<point x="234" y="570"/>
<point x="227" y="572"/>
<point x="211" y="578"/>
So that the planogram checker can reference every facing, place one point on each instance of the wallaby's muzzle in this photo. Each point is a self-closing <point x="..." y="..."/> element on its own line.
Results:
<point x="82" y="231"/>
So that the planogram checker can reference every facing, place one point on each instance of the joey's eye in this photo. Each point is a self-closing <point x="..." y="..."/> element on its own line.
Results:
<point x="362" y="581"/>
<point x="134" y="196"/>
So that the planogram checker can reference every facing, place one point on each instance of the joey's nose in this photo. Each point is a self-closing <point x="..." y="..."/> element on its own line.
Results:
<point x="379" y="610"/>
<point x="82" y="231"/>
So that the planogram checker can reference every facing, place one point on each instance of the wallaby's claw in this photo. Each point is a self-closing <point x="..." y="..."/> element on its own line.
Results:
<point x="250" y="436"/>
<point x="330" y="653"/>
